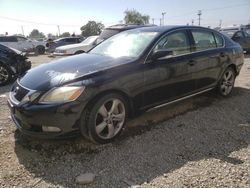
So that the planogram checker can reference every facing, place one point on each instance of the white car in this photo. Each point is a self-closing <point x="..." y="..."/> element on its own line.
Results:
<point x="23" y="44"/>
<point x="79" y="48"/>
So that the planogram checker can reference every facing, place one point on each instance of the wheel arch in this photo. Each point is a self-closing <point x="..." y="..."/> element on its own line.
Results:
<point x="117" y="91"/>
<point x="233" y="66"/>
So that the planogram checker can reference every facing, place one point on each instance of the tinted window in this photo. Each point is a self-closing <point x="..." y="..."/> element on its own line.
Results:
<point x="70" y="40"/>
<point x="218" y="40"/>
<point x="177" y="42"/>
<point x="21" y="39"/>
<point x="108" y="33"/>
<point x="2" y="39"/>
<point x="203" y="40"/>
<point x="239" y="34"/>
<point x="8" y="39"/>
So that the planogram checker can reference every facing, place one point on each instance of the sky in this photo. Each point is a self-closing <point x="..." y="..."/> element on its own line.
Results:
<point x="70" y="15"/>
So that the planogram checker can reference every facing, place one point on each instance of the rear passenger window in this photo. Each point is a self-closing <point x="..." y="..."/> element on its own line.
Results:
<point x="218" y="40"/>
<point x="177" y="42"/>
<point x="203" y="40"/>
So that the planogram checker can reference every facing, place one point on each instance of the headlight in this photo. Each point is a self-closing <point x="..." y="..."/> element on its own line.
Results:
<point x="30" y="97"/>
<point x="62" y="94"/>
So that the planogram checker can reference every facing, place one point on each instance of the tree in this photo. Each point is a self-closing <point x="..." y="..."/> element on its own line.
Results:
<point x="65" y="34"/>
<point x="134" y="17"/>
<point x="92" y="28"/>
<point x="36" y="34"/>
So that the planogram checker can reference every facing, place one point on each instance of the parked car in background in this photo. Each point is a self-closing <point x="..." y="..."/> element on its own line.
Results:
<point x="115" y="29"/>
<point x="13" y="63"/>
<point x="138" y="69"/>
<point x="239" y="36"/>
<point x="23" y="44"/>
<point x="52" y="45"/>
<point x="79" y="48"/>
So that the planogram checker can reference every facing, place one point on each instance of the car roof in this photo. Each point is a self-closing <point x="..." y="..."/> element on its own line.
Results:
<point x="162" y="29"/>
<point x="128" y="26"/>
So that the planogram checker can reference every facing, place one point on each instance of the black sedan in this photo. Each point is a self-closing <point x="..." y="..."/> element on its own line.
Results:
<point x="13" y="63"/>
<point x="96" y="92"/>
<point x="241" y="37"/>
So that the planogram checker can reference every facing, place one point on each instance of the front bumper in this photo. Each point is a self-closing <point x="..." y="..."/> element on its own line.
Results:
<point x="31" y="118"/>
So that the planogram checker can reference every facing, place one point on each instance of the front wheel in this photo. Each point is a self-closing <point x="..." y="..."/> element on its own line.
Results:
<point x="40" y="50"/>
<point x="226" y="83"/>
<point x="106" y="118"/>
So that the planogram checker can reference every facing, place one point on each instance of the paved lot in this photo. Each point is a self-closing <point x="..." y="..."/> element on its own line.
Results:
<point x="200" y="142"/>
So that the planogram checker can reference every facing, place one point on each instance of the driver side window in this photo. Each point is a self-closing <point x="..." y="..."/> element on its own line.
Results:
<point x="176" y="42"/>
<point x="21" y="39"/>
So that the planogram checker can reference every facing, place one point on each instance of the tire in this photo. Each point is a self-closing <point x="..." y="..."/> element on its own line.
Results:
<point x="5" y="74"/>
<point x="226" y="83"/>
<point x="40" y="50"/>
<point x="104" y="121"/>
<point x="79" y="52"/>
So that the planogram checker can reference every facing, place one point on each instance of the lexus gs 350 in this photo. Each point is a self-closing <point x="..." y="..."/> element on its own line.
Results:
<point x="95" y="93"/>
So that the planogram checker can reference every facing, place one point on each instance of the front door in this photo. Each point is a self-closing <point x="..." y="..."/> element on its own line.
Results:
<point x="170" y="77"/>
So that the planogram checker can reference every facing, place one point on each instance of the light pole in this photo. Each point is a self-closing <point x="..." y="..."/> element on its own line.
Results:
<point x="163" y="14"/>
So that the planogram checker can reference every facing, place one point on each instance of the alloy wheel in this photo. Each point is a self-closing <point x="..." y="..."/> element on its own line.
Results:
<point x="110" y="118"/>
<point x="227" y="82"/>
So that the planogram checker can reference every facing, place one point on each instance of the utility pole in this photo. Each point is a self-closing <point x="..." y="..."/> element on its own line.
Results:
<point x="220" y="24"/>
<point x="192" y="22"/>
<point x="163" y="14"/>
<point x="153" y="20"/>
<point x="58" y="27"/>
<point x="22" y="30"/>
<point x="199" y="15"/>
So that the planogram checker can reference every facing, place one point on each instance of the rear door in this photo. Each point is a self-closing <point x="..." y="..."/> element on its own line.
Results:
<point x="170" y="77"/>
<point x="209" y="55"/>
<point x="24" y="44"/>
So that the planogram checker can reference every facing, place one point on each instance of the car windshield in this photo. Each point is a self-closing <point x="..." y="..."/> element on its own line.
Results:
<point x="125" y="44"/>
<point x="89" y="40"/>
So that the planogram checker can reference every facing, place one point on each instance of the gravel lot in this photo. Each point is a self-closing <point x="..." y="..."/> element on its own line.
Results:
<point x="200" y="142"/>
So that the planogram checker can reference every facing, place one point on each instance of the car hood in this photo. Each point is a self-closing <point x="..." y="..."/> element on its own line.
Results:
<point x="66" y="70"/>
<point x="71" y="46"/>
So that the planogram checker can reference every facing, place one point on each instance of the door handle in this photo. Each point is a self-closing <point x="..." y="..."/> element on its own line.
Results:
<point x="191" y="62"/>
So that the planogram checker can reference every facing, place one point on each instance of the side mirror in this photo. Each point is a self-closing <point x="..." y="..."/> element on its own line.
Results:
<point x="161" y="53"/>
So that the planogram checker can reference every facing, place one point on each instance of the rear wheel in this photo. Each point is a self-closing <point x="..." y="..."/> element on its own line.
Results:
<point x="226" y="83"/>
<point x="40" y="50"/>
<point x="5" y="74"/>
<point x="106" y="118"/>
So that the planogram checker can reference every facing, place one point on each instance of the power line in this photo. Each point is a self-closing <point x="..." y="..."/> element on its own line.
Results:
<point x="38" y="23"/>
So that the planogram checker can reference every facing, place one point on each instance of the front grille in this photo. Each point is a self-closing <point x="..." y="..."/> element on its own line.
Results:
<point x="19" y="92"/>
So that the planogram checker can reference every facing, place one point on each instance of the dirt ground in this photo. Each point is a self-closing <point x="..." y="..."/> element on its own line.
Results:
<point x="203" y="141"/>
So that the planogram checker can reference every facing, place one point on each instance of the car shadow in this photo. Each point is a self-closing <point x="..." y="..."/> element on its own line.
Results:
<point x="202" y="127"/>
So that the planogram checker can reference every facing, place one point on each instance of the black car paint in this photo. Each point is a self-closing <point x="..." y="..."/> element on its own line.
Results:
<point x="243" y="40"/>
<point x="16" y="61"/>
<point x="143" y="82"/>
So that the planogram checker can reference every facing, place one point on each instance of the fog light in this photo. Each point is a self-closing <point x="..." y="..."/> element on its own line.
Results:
<point x="50" y="129"/>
